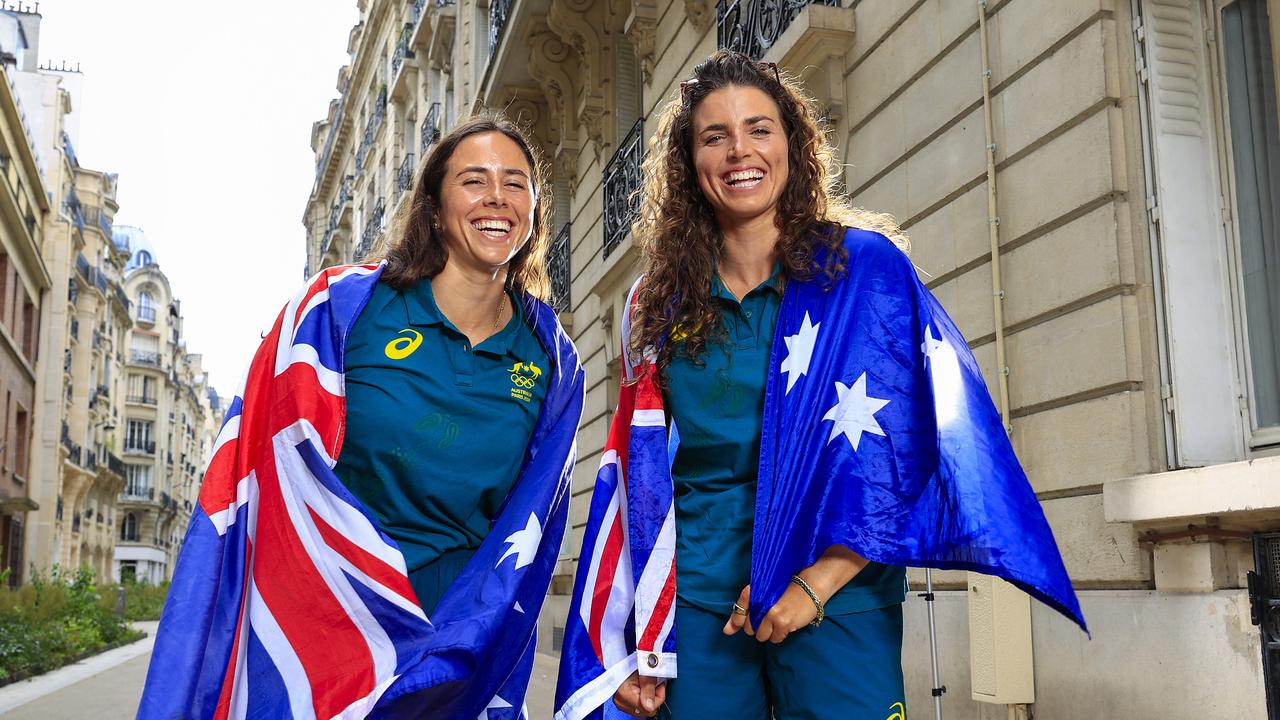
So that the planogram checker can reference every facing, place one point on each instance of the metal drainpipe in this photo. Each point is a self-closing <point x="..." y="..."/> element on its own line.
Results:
<point x="993" y="222"/>
<point x="1015" y="711"/>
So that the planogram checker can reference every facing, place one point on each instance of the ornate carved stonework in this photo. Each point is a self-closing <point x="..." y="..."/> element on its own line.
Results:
<point x="702" y="13"/>
<point x="642" y="29"/>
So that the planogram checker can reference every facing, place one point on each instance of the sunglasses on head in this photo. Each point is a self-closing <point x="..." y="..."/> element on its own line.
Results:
<point x="762" y="66"/>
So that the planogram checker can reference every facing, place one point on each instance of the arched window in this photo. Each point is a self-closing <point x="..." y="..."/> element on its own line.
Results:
<point x="129" y="528"/>
<point x="146" y="307"/>
<point x="144" y="257"/>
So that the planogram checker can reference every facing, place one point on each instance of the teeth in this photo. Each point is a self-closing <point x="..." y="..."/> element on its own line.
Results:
<point x="494" y="225"/>
<point x="742" y="175"/>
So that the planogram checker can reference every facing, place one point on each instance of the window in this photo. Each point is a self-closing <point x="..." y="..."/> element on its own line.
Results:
<point x="128" y="533"/>
<point x="1247" y="75"/>
<point x="144" y="258"/>
<point x="128" y="568"/>
<point x="30" y="330"/>
<point x="20" y="443"/>
<point x="138" y="436"/>
<point x="137" y="481"/>
<point x="146" y="307"/>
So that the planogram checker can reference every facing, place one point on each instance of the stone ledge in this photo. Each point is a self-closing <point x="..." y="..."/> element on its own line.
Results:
<point x="1246" y="490"/>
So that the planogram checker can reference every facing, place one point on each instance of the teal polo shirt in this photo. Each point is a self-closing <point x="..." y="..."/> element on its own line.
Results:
<point x="717" y="404"/>
<point x="436" y="429"/>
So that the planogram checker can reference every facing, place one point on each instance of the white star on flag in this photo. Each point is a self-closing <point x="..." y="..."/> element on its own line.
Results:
<point x="799" y="351"/>
<point x="496" y="703"/>
<point x="930" y="344"/>
<point x="854" y="412"/>
<point x="518" y="608"/>
<point x="524" y="543"/>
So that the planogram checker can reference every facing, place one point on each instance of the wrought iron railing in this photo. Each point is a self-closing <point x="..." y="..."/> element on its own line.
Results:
<point x="430" y="128"/>
<point x="84" y="268"/>
<point x="622" y="178"/>
<point x="499" y="12"/>
<point x="415" y="12"/>
<point x="371" y="128"/>
<point x="404" y="177"/>
<point x="73" y="449"/>
<point x="752" y="26"/>
<point x="143" y="399"/>
<point x="124" y="299"/>
<point x="333" y="134"/>
<point x="140" y="447"/>
<point x="371" y="229"/>
<point x="144" y="357"/>
<point x="115" y="464"/>
<point x="74" y="209"/>
<point x="146" y="313"/>
<point x="75" y="329"/>
<point x="559" y="270"/>
<point x="90" y="459"/>
<point x="402" y="49"/>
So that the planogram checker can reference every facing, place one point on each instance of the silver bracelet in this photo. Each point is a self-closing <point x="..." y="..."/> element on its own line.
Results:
<point x="812" y="596"/>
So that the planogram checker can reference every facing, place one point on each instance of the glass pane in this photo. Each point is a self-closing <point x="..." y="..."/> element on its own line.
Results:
<point x="1255" y="141"/>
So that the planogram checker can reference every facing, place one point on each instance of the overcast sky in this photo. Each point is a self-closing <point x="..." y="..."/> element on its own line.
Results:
<point x="205" y="111"/>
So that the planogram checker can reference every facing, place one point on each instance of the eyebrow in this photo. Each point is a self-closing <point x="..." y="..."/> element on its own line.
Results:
<point x="721" y="127"/>
<point x="479" y="169"/>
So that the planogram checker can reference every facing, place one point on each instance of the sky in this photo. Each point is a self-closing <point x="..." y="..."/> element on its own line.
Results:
<point x="205" y="111"/>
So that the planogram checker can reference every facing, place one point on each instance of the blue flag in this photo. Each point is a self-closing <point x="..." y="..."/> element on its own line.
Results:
<point x="879" y="434"/>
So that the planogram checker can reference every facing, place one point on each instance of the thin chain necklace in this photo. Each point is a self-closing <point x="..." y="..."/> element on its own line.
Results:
<point x="502" y="304"/>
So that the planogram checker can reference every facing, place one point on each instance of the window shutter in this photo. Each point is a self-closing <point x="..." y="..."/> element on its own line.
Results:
<point x="1186" y="212"/>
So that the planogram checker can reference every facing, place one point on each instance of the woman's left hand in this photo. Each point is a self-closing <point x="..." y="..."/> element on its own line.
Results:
<point x="793" y="611"/>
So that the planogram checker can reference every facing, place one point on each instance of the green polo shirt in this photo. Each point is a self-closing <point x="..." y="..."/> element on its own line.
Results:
<point x="436" y="429"/>
<point x="718" y="408"/>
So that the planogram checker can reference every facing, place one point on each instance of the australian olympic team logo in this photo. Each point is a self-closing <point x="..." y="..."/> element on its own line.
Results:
<point x="404" y="346"/>
<point x="523" y="377"/>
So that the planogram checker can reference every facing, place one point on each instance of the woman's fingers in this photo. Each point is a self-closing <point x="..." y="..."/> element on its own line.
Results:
<point x="739" y="619"/>
<point x="652" y="694"/>
<point x="627" y="696"/>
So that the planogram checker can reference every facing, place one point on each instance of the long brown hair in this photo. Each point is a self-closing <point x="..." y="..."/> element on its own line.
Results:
<point x="420" y="252"/>
<point x="676" y="229"/>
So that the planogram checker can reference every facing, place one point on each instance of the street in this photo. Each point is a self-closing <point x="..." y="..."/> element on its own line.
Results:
<point x="108" y="686"/>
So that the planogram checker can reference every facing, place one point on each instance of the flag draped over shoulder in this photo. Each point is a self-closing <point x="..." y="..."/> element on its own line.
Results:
<point x="289" y="602"/>
<point x="878" y="434"/>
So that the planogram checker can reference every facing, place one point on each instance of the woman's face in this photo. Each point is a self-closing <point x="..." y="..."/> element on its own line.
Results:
<point x="740" y="153"/>
<point x="486" y="202"/>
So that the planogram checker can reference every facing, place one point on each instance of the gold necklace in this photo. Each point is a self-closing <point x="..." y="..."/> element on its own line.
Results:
<point x="502" y="304"/>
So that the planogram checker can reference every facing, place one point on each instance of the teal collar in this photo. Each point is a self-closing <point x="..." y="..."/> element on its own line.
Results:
<point x="774" y="283"/>
<point x="421" y="309"/>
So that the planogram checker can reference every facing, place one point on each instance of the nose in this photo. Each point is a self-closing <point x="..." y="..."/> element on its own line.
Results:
<point x="496" y="195"/>
<point x="738" y="147"/>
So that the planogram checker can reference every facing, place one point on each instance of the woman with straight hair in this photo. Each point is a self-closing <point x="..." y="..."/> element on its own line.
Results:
<point x="401" y="531"/>
<point x="825" y="426"/>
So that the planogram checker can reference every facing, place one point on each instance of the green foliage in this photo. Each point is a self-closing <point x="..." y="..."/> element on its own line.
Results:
<point x="143" y="601"/>
<point x="54" y="620"/>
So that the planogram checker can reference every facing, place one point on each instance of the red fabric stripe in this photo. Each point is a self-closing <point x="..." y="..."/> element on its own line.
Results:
<point x="660" y="610"/>
<point x="604" y="582"/>
<point x="364" y="561"/>
<point x="228" y="679"/>
<point x="332" y="650"/>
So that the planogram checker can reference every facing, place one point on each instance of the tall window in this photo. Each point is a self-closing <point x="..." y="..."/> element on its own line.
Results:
<point x="138" y="436"/>
<point x="1251" y="113"/>
<point x="128" y="533"/>
<point x="137" y="480"/>
<point x="20" y="442"/>
<point x="146" y="307"/>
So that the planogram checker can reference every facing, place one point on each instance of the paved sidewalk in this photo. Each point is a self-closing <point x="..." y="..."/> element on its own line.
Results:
<point x="105" y="686"/>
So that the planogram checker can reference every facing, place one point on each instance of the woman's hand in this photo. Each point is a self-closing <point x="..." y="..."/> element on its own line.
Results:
<point x="640" y="695"/>
<point x="795" y="609"/>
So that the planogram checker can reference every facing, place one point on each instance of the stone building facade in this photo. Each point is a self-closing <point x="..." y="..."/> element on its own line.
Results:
<point x="167" y="426"/>
<point x="1090" y="187"/>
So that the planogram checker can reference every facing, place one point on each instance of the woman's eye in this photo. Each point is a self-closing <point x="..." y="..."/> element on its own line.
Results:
<point x="761" y="131"/>
<point x="472" y="181"/>
<point x="516" y="185"/>
<point x="712" y="139"/>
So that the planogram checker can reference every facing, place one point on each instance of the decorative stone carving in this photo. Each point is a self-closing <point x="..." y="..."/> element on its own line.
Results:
<point x="701" y="13"/>
<point x="642" y="29"/>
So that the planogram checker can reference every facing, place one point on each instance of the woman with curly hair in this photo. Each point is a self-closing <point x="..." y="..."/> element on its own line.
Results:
<point x="739" y="200"/>
<point x="820" y="425"/>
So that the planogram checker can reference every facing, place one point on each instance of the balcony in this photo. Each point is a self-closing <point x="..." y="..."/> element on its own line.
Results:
<point x="74" y="210"/>
<point x="142" y="400"/>
<point x="499" y="13"/>
<point x="622" y="178"/>
<point x="139" y="493"/>
<point x="430" y="129"/>
<point x="97" y="340"/>
<point x="73" y="450"/>
<point x="146" y="314"/>
<point x="144" y="357"/>
<point x="124" y="299"/>
<point x="379" y="112"/>
<point x="372" y="228"/>
<point x="97" y="218"/>
<point x="559" y="270"/>
<point x="752" y="26"/>
<point x="115" y="464"/>
<point x="403" y="52"/>
<point x="90" y="458"/>
<point x="404" y="177"/>
<point x="140" y="447"/>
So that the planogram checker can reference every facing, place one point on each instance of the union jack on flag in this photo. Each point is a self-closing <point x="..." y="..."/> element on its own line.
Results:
<point x="878" y="433"/>
<point x="289" y="602"/>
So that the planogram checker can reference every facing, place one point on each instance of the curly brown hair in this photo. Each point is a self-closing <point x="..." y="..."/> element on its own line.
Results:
<point x="420" y="251"/>
<point x="676" y="228"/>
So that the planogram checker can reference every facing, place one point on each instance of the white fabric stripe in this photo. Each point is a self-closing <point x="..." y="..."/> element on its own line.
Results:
<point x="610" y="457"/>
<point x="230" y="431"/>
<point x="617" y="611"/>
<point x="246" y="494"/>
<point x="648" y="418"/>
<point x="361" y="708"/>
<point x="653" y="578"/>
<point x="224" y="519"/>
<point x="348" y="521"/>
<point x="332" y="381"/>
<point x="288" y="322"/>
<point x="294" y="474"/>
<point x="282" y="654"/>
<point x="628" y="367"/>
<point x="598" y="691"/>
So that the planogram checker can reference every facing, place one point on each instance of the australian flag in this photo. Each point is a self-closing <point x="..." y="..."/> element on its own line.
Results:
<point x="878" y="434"/>
<point x="289" y="602"/>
